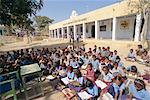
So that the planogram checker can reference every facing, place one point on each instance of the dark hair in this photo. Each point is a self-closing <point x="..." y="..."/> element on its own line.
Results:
<point x="115" y="63"/>
<point x="108" y="47"/>
<point x="70" y="68"/>
<point x="140" y="45"/>
<point x="106" y="67"/>
<point x="107" y="58"/>
<point x="145" y="52"/>
<point x="63" y="65"/>
<point x="119" y="78"/>
<point x="90" y="65"/>
<point x="115" y="50"/>
<point x="78" y="73"/>
<point x="118" y="57"/>
<point x="140" y="82"/>
<point x="94" y="56"/>
<point x="133" y="69"/>
<point x="89" y="83"/>
<point x="131" y="49"/>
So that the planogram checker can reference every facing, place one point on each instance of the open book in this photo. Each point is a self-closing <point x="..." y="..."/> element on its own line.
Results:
<point x="84" y="95"/>
<point x="68" y="93"/>
<point x="100" y="84"/>
<point x="107" y="96"/>
<point x="66" y="80"/>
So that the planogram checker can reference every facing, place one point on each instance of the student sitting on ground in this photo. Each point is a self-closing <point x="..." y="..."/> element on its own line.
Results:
<point x="66" y="61"/>
<point x="86" y="59"/>
<point x="50" y="67"/>
<point x="145" y="58"/>
<point x="103" y="52"/>
<point x="98" y="50"/>
<point x="146" y="75"/>
<point x="138" y="90"/>
<point x="117" y="70"/>
<point x="115" y="54"/>
<point x="95" y="63"/>
<point x="83" y="47"/>
<point x="70" y="73"/>
<point x="91" y="89"/>
<point x="140" y="50"/>
<point x="95" y="49"/>
<point x="106" y="75"/>
<point x="81" y="59"/>
<point x="118" y="60"/>
<point x="131" y="56"/>
<point x="117" y="89"/>
<point x="132" y="71"/>
<point x="107" y="51"/>
<point x="62" y="70"/>
<point x="78" y="82"/>
<point x="90" y="74"/>
<point x="74" y="63"/>
<point x="111" y="56"/>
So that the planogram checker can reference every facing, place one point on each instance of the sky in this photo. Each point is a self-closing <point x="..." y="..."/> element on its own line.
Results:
<point x="60" y="10"/>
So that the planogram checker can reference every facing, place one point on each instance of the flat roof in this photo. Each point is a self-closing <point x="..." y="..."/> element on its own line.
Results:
<point x="115" y="10"/>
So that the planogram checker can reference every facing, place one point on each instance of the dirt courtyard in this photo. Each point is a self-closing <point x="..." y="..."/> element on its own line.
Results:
<point x="122" y="47"/>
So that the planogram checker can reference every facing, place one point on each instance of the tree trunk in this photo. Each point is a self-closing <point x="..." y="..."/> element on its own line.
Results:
<point x="144" y="32"/>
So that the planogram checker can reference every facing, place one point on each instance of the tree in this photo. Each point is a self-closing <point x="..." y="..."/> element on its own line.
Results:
<point x="142" y="7"/>
<point x="18" y="12"/>
<point x="42" y="22"/>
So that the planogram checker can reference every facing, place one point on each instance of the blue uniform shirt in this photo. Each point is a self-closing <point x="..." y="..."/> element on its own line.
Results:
<point x="80" y="80"/>
<point x="118" y="88"/>
<point x="74" y="64"/>
<point x="108" y="77"/>
<point x="93" y="91"/>
<point x="95" y="64"/>
<point x="70" y="75"/>
<point x="142" y="94"/>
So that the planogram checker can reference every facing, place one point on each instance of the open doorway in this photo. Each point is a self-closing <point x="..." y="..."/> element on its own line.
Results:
<point x="60" y="33"/>
<point x="56" y="34"/>
<point x="1" y="33"/>
<point x="93" y="31"/>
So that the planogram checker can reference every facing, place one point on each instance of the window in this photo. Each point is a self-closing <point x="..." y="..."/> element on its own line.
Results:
<point x="65" y="30"/>
<point x="0" y="32"/>
<point x="81" y="29"/>
<point x="103" y="28"/>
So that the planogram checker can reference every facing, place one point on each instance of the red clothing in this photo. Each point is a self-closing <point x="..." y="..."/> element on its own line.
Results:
<point x="90" y="74"/>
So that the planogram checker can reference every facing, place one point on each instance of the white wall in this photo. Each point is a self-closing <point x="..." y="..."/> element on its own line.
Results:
<point x="88" y="27"/>
<point x="148" y="35"/>
<point x="125" y="33"/>
<point x="105" y="34"/>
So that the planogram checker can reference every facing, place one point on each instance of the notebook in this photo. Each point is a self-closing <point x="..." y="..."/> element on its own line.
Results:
<point x="107" y="96"/>
<point x="66" y="80"/>
<point x="100" y="84"/>
<point x="68" y="93"/>
<point x="84" y="95"/>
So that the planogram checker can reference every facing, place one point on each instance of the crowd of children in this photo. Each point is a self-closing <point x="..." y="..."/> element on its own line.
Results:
<point x="140" y="55"/>
<point x="83" y="67"/>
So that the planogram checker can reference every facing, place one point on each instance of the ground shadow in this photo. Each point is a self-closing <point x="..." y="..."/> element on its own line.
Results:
<point x="61" y="45"/>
